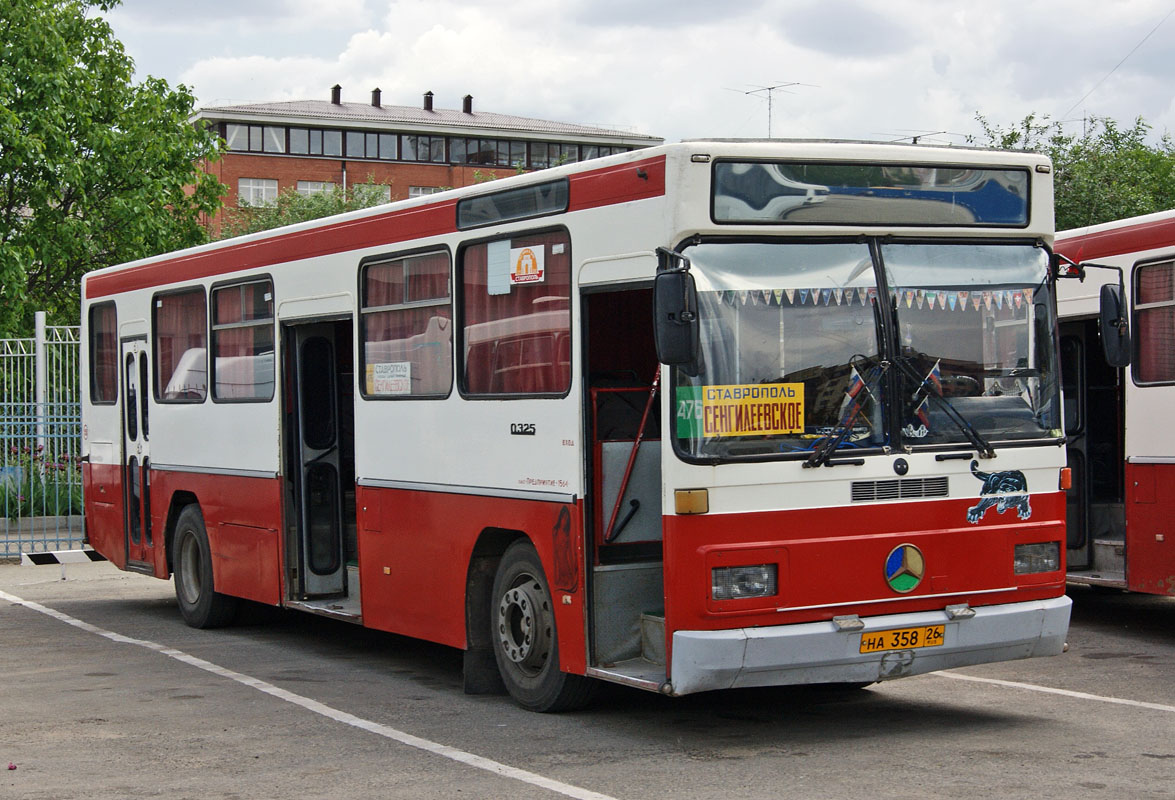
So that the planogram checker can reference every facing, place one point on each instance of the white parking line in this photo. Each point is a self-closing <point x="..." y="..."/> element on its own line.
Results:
<point x="377" y="728"/>
<point x="1032" y="687"/>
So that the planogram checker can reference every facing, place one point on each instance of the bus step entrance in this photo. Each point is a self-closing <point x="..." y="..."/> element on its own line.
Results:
<point x="653" y="638"/>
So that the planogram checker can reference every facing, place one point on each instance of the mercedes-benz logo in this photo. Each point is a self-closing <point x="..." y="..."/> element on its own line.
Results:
<point x="904" y="568"/>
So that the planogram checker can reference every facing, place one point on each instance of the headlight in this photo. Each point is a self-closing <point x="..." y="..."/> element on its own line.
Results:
<point x="735" y="583"/>
<point x="1038" y="557"/>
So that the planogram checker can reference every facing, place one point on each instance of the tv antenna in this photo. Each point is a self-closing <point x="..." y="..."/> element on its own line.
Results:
<point x="770" y="91"/>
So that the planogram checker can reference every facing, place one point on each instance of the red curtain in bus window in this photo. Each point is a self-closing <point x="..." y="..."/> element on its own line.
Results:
<point x="242" y="341"/>
<point x="181" y="371"/>
<point x="103" y="354"/>
<point x="517" y="327"/>
<point x="1156" y="324"/>
<point x="408" y="327"/>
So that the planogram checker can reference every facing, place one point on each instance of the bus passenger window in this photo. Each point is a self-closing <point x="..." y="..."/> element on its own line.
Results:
<point x="242" y="342"/>
<point x="516" y="315"/>
<point x="407" y="333"/>
<point x="179" y="324"/>
<point x="103" y="354"/>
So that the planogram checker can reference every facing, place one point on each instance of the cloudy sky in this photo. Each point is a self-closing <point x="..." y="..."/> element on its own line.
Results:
<point x="860" y="69"/>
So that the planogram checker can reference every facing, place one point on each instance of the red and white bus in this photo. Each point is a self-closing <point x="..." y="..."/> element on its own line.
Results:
<point x="1121" y="451"/>
<point x="713" y="414"/>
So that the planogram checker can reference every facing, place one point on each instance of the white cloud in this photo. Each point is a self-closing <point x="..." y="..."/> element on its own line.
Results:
<point x="677" y="69"/>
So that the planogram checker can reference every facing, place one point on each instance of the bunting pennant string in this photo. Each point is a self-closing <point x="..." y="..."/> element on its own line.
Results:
<point x="928" y="299"/>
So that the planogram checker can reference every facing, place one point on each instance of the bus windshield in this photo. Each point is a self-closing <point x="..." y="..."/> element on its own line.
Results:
<point x="975" y="329"/>
<point x="792" y="351"/>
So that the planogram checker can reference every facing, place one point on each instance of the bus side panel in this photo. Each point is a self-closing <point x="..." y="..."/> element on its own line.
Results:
<point x="832" y="561"/>
<point x="104" y="524"/>
<point x="242" y="516"/>
<point x="414" y="552"/>
<point x="1150" y="542"/>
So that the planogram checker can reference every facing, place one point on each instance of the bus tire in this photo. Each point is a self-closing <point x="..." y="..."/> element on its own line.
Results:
<point x="200" y="605"/>
<point x="526" y="647"/>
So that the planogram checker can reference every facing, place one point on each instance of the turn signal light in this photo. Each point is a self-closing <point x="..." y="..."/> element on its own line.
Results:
<point x="1066" y="479"/>
<point x="691" y="501"/>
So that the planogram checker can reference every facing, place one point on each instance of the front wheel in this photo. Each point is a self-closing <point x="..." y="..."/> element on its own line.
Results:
<point x="523" y="633"/>
<point x="200" y="605"/>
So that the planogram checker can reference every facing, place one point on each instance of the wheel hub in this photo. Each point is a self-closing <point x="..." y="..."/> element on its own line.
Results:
<point x="518" y="623"/>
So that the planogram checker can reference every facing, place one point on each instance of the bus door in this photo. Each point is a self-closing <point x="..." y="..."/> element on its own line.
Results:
<point x="136" y="461"/>
<point x="1095" y="452"/>
<point x="624" y="493"/>
<point x="321" y="461"/>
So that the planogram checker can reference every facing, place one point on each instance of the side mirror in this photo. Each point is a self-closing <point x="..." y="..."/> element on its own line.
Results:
<point x="675" y="315"/>
<point x="1114" y="327"/>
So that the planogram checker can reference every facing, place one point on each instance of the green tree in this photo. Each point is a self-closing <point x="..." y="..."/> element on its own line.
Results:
<point x="94" y="169"/>
<point x="1108" y="172"/>
<point x="292" y="207"/>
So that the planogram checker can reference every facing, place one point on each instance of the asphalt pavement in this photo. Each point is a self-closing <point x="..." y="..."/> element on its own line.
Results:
<point x="105" y="693"/>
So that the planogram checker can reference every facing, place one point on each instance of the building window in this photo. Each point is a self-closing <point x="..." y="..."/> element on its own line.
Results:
<point x="421" y="191"/>
<point x="332" y="143"/>
<point x="407" y="333"/>
<point x="274" y="139"/>
<point x="256" y="192"/>
<point x="178" y="323"/>
<point x="307" y="188"/>
<point x="242" y="342"/>
<point x="255" y="138"/>
<point x="355" y="148"/>
<point x="1154" y="310"/>
<point x="299" y="141"/>
<point x="518" y="155"/>
<point x="516" y="315"/>
<point x="389" y="146"/>
<point x="236" y="137"/>
<point x="103" y="354"/>
<point x="422" y="148"/>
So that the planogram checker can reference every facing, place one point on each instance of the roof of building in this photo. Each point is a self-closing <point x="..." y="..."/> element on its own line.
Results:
<point x="358" y="114"/>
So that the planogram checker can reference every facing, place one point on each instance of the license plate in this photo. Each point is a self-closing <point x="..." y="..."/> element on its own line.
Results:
<point x="902" y="639"/>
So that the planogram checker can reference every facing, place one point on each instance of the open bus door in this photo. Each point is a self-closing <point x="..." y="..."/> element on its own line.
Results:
<point x="320" y="457"/>
<point x="1095" y="452"/>
<point x="136" y="456"/>
<point x="624" y="426"/>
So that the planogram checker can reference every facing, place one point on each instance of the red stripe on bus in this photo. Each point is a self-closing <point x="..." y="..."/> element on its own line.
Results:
<point x="1126" y="239"/>
<point x="620" y="184"/>
<point x="395" y="226"/>
<point x="608" y="186"/>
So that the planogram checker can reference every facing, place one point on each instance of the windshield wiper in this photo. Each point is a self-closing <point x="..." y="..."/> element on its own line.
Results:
<point x="932" y="390"/>
<point x="823" y="451"/>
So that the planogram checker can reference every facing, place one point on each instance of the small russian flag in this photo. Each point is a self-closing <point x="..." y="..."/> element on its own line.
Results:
<point x="922" y="412"/>
<point x="856" y="384"/>
<point x="935" y="376"/>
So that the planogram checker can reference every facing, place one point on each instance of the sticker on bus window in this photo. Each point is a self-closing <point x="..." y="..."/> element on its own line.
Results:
<point x="689" y="412"/>
<point x="752" y="409"/>
<point x="498" y="267"/>
<point x="527" y="264"/>
<point x="390" y="378"/>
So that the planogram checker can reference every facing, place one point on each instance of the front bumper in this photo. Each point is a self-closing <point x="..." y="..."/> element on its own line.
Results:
<point x="817" y="652"/>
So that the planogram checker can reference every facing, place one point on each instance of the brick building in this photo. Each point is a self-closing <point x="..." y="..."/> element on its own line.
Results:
<point x="316" y="145"/>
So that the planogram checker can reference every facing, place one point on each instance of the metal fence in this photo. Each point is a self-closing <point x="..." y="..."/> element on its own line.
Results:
<point x="40" y="441"/>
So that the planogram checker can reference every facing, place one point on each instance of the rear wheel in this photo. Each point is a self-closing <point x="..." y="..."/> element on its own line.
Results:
<point x="200" y="605"/>
<point x="523" y="633"/>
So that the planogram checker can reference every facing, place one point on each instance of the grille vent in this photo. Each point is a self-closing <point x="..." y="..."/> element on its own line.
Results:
<point x="899" y="489"/>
